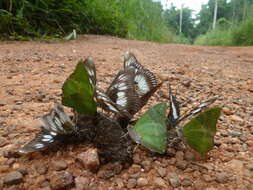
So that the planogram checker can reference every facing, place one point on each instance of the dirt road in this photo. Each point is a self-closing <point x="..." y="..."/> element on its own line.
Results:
<point x="31" y="76"/>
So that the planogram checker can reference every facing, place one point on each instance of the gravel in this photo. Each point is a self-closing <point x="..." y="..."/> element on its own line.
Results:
<point x="195" y="73"/>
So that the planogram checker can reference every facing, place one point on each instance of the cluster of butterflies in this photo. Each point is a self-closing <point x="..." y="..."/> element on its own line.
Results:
<point x="126" y="95"/>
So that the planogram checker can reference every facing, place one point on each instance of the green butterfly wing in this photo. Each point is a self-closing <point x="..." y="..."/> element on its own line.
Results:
<point x="200" y="131"/>
<point x="151" y="129"/>
<point x="78" y="92"/>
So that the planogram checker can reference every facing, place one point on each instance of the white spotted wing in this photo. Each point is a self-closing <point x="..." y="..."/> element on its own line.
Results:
<point x="54" y="125"/>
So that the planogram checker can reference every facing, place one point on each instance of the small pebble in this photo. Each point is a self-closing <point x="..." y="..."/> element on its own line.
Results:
<point x="159" y="182"/>
<point x="41" y="169"/>
<point x="175" y="182"/>
<point x="23" y="170"/>
<point x="162" y="171"/>
<point x="61" y="180"/>
<point x="208" y="178"/>
<point x="181" y="164"/>
<point x="142" y="182"/>
<point x="59" y="165"/>
<point x="221" y="177"/>
<point x="249" y="166"/>
<point x="89" y="159"/>
<point x="131" y="183"/>
<point x="13" y="178"/>
<point x="189" y="156"/>
<point x="236" y="118"/>
<point x="186" y="182"/>
<point x="82" y="182"/>
<point x="3" y="141"/>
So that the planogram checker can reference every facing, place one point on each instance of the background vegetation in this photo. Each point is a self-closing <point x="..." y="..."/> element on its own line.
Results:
<point x="133" y="19"/>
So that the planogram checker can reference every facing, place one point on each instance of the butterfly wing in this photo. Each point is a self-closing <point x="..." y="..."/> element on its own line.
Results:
<point x="54" y="125"/>
<point x="197" y="109"/>
<point x="144" y="79"/>
<point x="42" y="141"/>
<point x="122" y="91"/>
<point x="91" y="70"/>
<point x="107" y="104"/>
<point x="131" y="61"/>
<point x="174" y="113"/>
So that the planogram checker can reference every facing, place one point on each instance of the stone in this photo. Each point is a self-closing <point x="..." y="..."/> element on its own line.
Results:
<point x="141" y="182"/>
<point x="41" y="169"/>
<point x="159" y="182"/>
<point x="162" y="171"/>
<point x="11" y="161"/>
<point x="181" y="164"/>
<point x="3" y="141"/>
<point x="120" y="183"/>
<point x="82" y="182"/>
<point x="234" y="133"/>
<point x="226" y="111"/>
<point x="60" y="180"/>
<point x="146" y="165"/>
<point x="236" y="118"/>
<point x="186" y="182"/>
<point x="179" y="155"/>
<point x="23" y="170"/>
<point x="171" y="152"/>
<point x="249" y="166"/>
<point x="90" y="159"/>
<point x="59" y="165"/>
<point x="174" y="182"/>
<point x="208" y="178"/>
<point x="131" y="183"/>
<point x="45" y="184"/>
<point x="189" y="156"/>
<point x="235" y="165"/>
<point x="221" y="177"/>
<point x="137" y="158"/>
<point x="13" y="178"/>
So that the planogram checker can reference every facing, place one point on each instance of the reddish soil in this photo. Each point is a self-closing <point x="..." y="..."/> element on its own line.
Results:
<point x="31" y="76"/>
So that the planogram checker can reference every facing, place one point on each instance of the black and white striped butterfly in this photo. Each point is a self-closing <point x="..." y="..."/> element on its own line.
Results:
<point x="174" y="117"/>
<point x="144" y="79"/>
<point x="55" y="126"/>
<point x="122" y="91"/>
<point x="146" y="83"/>
<point x="102" y="99"/>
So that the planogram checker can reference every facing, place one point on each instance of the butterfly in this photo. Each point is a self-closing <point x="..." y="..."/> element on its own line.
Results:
<point x="55" y="126"/>
<point x="145" y="81"/>
<point x="102" y="99"/>
<point x="174" y="117"/>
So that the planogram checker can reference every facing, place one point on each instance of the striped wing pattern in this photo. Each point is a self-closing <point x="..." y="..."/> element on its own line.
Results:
<point x="107" y="104"/>
<point x="102" y="99"/>
<point x="122" y="91"/>
<point x="174" y="117"/>
<point x="146" y="83"/>
<point x="91" y="70"/>
<point x="198" y="109"/>
<point x="174" y="113"/>
<point x="54" y="124"/>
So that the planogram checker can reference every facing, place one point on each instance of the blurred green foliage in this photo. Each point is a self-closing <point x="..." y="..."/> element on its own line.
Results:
<point x="135" y="19"/>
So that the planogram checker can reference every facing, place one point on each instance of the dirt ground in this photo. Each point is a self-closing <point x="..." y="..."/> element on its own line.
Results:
<point x="31" y="76"/>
